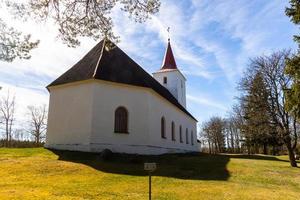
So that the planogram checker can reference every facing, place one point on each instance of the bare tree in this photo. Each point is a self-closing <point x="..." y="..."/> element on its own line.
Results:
<point x="7" y="114"/>
<point x="237" y="121"/>
<point x="38" y="122"/>
<point x="213" y="131"/>
<point x="272" y="68"/>
<point x="206" y="137"/>
<point x="232" y="133"/>
<point x="18" y="134"/>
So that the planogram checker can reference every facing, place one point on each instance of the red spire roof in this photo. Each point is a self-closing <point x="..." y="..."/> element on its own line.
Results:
<point x="169" y="60"/>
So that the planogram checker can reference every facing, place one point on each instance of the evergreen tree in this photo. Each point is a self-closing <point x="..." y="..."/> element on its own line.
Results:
<point x="258" y="127"/>
<point x="272" y="69"/>
<point x="293" y="64"/>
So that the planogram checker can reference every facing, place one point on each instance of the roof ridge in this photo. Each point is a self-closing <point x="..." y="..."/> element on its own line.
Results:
<point x="100" y="56"/>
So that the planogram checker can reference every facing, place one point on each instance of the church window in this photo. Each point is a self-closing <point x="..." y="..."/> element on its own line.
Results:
<point x="163" y="128"/>
<point x="173" y="131"/>
<point x="192" y="138"/>
<point x="186" y="136"/>
<point x="180" y="134"/>
<point x="165" y="80"/>
<point x="121" y="120"/>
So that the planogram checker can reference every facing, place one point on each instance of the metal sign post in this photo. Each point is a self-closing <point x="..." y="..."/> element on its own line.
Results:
<point x="149" y="185"/>
<point x="150" y="167"/>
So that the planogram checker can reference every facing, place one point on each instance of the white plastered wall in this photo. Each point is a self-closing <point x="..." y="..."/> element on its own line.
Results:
<point x="175" y="83"/>
<point x="70" y="116"/>
<point x="108" y="96"/>
<point x="160" y="108"/>
<point x="145" y="108"/>
<point x="81" y="117"/>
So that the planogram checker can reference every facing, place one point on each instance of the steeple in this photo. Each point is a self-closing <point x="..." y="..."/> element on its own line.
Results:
<point x="169" y="60"/>
<point x="170" y="76"/>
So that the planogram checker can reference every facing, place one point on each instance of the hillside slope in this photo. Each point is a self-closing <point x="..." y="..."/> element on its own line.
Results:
<point x="37" y="173"/>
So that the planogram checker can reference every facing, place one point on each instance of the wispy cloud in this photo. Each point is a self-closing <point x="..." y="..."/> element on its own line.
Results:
<point x="212" y="41"/>
<point x="23" y="97"/>
<point x="206" y="102"/>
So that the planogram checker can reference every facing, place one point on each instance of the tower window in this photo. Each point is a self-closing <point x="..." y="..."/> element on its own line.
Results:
<point x="165" y="80"/>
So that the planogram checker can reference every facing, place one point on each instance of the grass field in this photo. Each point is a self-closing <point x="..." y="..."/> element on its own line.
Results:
<point x="38" y="173"/>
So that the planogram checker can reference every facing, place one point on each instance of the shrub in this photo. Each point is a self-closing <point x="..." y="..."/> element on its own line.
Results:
<point x="106" y="154"/>
<point x="20" y="144"/>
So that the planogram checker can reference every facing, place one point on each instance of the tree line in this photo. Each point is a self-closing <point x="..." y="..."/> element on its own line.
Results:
<point x="31" y="134"/>
<point x="259" y="122"/>
<point x="266" y="117"/>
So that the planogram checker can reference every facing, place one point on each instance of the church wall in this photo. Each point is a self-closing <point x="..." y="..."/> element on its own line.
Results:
<point x="145" y="108"/>
<point x="81" y="117"/>
<point x="69" y="118"/>
<point x="108" y="96"/>
<point x="160" y="108"/>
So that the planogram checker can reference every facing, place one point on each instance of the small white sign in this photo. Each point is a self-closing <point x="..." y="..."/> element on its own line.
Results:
<point x="150" y="166"/>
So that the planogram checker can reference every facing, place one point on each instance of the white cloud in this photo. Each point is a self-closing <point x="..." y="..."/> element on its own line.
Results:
<point x="24" y="97"/>
<point x="252" y="29"/>
<point x="250" y="23"/>
<point x="204" y="101"/>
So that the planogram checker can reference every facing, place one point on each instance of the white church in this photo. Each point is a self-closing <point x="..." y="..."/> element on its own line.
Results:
<point x="108" y="101"/>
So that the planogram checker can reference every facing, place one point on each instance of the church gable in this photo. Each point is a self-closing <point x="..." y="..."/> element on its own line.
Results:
<point x="108" y="62"/>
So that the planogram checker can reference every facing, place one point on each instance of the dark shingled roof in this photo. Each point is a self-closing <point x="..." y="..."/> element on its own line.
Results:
<point x="108" y="62"/>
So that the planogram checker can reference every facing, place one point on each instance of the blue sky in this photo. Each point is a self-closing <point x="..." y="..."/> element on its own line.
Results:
<point x="212" y="41"/>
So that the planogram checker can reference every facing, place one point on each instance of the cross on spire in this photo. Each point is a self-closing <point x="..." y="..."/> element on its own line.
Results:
<point x="168" y="29"/>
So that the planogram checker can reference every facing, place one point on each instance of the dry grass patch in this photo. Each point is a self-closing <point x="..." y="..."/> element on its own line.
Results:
<point x="37" y="173"/>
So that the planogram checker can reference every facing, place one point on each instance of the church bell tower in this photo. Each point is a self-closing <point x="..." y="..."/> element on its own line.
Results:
<point x="170" y="76"/>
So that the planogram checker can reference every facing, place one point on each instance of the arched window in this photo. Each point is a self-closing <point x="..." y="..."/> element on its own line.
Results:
<point x="163" y="127"/>
<point x="180" y="134"/>
<point x="165" y="80"/>
<point x="173" y="131"/>
<point x="192" y="138"/>
<point x="121" y="120"/>
<point x="187" y="136"/>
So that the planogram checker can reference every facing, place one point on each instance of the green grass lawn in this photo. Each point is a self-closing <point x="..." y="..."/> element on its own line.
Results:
<point x="37" y="173"/>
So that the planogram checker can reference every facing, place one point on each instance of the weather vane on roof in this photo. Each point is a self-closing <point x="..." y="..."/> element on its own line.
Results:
<point x="168" y="29"/>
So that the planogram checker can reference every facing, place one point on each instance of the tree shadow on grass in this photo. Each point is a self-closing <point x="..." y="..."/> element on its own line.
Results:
<point x="182" y="166"/>
<point x="197" y="166"/>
